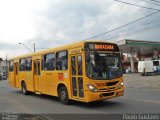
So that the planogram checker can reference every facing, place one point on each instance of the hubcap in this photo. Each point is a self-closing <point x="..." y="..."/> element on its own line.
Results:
<point x="63" y="95"/>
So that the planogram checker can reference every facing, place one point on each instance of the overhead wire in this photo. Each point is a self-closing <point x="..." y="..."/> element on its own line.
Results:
<point x="135" y="5"/>
<point x="155" y="1"/>
<point x="150" y="2"/>
<point x="149" y="15"/>
<point x="137" y="31"/>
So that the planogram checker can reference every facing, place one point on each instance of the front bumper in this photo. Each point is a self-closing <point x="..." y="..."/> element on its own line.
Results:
<point x="96" y="96"/>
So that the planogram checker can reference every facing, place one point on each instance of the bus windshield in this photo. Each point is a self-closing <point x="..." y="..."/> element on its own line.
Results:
<point x="103" y="66"/>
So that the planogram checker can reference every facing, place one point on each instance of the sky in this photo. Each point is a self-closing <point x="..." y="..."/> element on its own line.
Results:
<point x="51" y="23"/>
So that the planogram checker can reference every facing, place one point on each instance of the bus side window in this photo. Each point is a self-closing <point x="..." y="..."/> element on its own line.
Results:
<point x="22" y="65"/>
<point x="62" y="60"/>
<point x="49" y="61"/>
<point x="28" y="64"/>
<point x="11" y="66"/>
<point x="73" y="62"/>
<point x="79" y="65"/>
<point x="35" y="68"/>
<point x="39" y="71"/>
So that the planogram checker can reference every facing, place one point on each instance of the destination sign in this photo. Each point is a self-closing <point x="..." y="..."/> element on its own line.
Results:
<point x="101" y="47"/>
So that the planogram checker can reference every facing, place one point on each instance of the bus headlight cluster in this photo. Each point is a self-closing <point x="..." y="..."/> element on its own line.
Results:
<point x="121" y="85"/>
<point x="92" y="88"/>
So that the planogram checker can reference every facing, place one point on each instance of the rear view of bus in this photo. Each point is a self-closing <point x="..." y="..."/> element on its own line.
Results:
<point x="103" y="71"/>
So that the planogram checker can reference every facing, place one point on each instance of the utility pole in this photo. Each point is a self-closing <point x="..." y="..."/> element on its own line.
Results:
<point x="34" y="47"/>
<point x="6" y="68"/>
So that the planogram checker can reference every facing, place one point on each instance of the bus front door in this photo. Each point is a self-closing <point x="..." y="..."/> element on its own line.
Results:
<point x="37" y="75"/>
<point x="77" y="77"/>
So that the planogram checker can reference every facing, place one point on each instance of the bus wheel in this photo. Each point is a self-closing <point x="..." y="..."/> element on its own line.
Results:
<point x="24" y="88"/>
<point x="63" y="95"/>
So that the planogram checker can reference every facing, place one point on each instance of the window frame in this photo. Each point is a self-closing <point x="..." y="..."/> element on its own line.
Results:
<point x="86" y="60"/>
<point x="21" y="65"/>
<point x="26" y="59"/>
<point x="57" y="53"/>
<point x="73" y="66"/>
<point x="44" y="62"/>
<point x="11" y="70"/>
<point x="79" y="68"/>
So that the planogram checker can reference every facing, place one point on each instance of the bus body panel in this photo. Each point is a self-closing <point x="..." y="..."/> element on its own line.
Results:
<point x="11" y="79"/>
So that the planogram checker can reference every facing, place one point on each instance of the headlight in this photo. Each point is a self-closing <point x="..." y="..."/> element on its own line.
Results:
<point x="120" y="85"/>
<point x="92" y="88"/>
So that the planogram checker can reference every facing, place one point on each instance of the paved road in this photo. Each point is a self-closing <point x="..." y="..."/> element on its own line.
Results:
<point x="142" y="82"/>
<point x="136" y="100"/>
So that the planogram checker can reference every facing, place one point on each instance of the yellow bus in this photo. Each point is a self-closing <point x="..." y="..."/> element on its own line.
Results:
<point x="84" y="71"/>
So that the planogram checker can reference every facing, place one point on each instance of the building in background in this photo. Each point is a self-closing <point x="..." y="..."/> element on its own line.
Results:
<point x="4" y="67"/>
<point x="138" y="50"/>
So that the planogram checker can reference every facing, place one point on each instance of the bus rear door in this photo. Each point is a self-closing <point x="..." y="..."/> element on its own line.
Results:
<point x="37" y="75"/>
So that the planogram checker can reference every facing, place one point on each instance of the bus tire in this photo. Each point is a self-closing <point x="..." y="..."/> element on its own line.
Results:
<point x="24" y="88"/>
<point x="63" y="95"/>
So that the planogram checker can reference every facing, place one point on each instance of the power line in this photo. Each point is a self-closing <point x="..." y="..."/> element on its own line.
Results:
<point x="137" y="31"/>
<point x="123" y="25"/>
<point x="135" y="5"/>
<point x="155" y="1"/>
<point x="150" y="2"/>
<point x="143" y="29"/>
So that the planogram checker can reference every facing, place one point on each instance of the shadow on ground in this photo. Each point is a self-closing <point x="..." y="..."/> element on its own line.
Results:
<point x="92" y="105"/>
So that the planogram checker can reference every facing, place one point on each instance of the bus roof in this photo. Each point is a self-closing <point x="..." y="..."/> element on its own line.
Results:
<point x="60" y="48"/>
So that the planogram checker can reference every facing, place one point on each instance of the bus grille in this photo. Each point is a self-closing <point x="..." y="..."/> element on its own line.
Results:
<point x="112" y="83"/>
<point x="107" y="89"/>
<point x="107" y="94"/>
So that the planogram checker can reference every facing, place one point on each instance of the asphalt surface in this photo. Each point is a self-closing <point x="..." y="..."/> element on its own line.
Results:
<point x="137" y="99"/>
